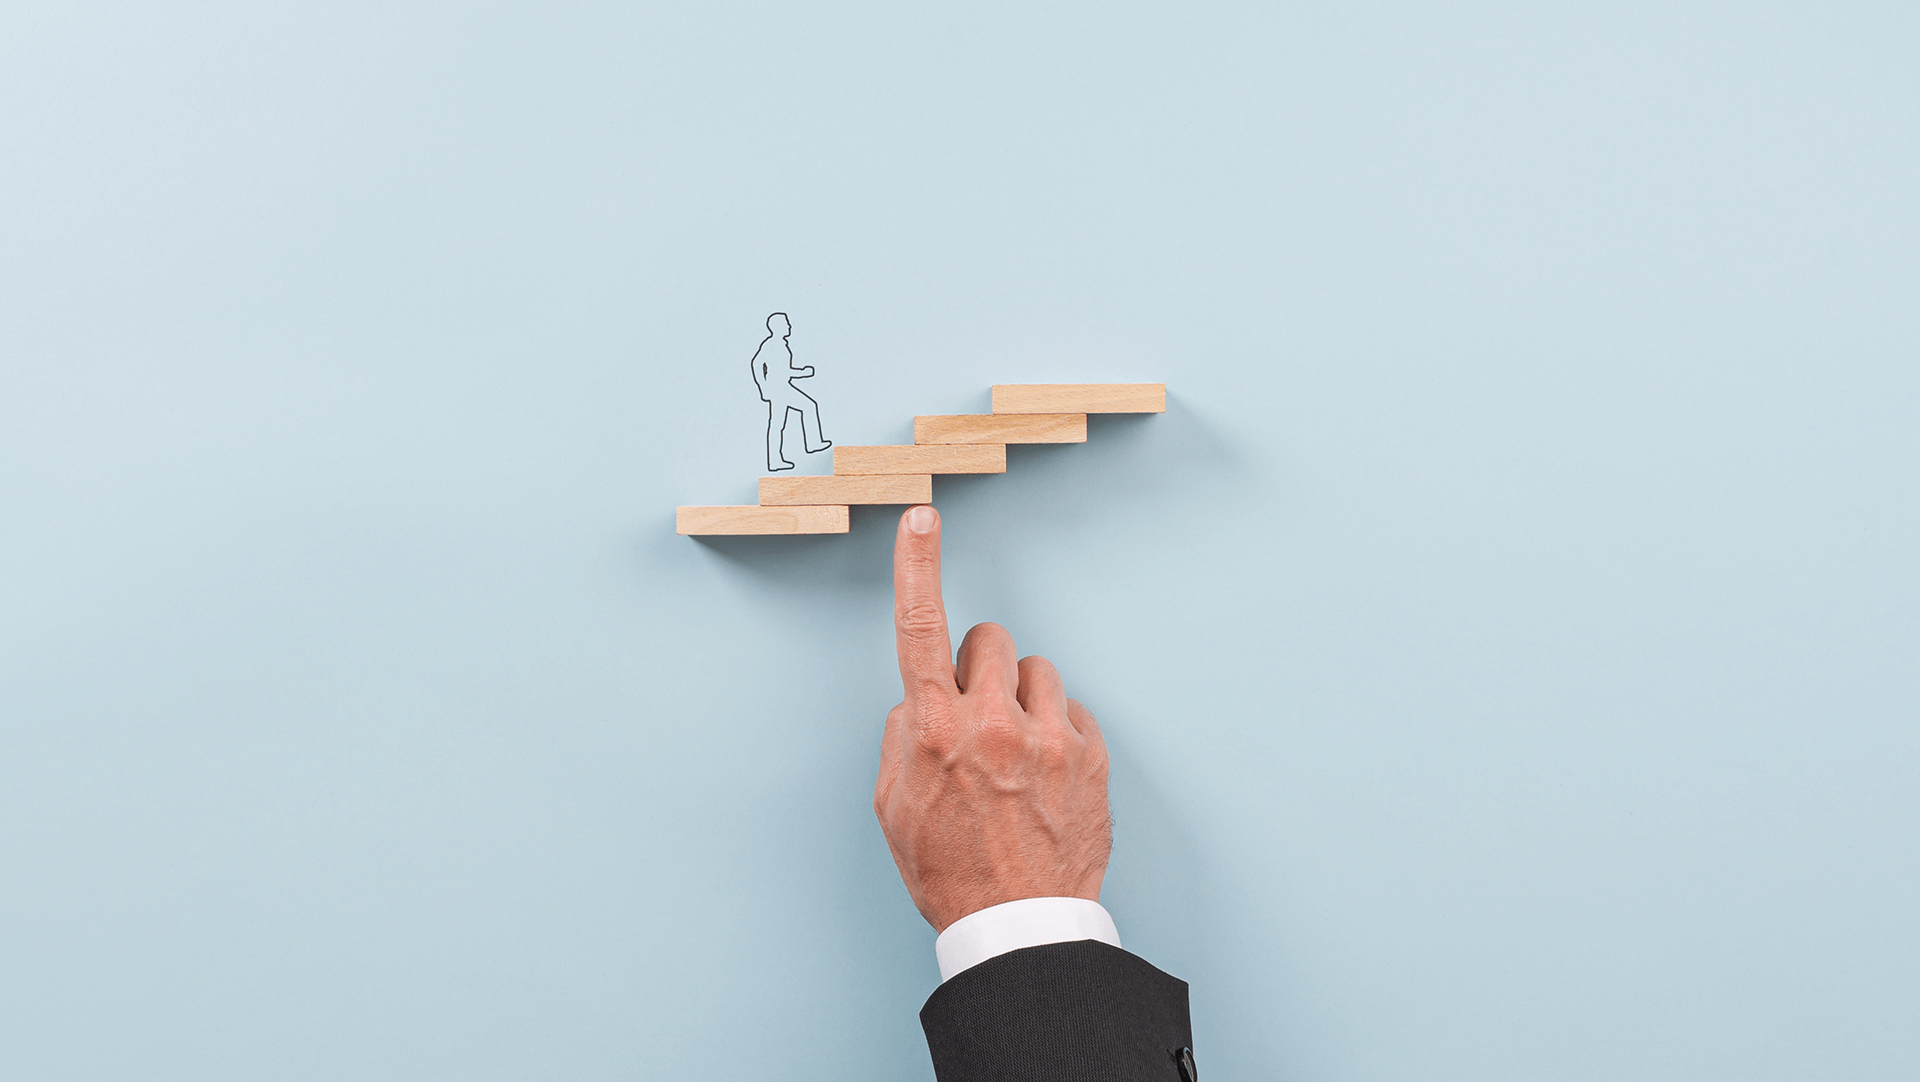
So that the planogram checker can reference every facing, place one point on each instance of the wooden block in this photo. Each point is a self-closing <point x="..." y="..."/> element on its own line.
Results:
<point x="1013" y="428"/>
<point x="866" y="489"/>
<point x="1080" y="398"/>
<point x="955" y="458"/>
<point x="757" y="520"/>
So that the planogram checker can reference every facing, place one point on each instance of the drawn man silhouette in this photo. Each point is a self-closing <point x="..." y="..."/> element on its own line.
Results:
<point x="774" y="373"/>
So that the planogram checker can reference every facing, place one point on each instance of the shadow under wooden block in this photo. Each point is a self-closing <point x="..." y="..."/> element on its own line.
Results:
<point x="1004" y="428"/>
<point x="1080" y="398"/>
<point x="950" y="458"/>
<point x="879" y="488"/>
<point x="759" y="520"/>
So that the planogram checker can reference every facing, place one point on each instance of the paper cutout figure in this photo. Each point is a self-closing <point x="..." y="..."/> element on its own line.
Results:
<point x="774" y="373"/>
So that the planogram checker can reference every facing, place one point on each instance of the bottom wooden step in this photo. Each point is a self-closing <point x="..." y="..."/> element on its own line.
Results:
<point x="759" y="520"/>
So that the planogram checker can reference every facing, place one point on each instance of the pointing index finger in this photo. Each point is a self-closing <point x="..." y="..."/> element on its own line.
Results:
<point x="919" y="613"/>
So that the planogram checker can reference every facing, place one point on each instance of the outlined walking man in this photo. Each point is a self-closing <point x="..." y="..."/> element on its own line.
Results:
<point x="774" y="373"/>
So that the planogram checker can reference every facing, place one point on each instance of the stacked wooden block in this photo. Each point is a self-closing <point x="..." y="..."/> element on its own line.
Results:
<point x="968" y="443"/>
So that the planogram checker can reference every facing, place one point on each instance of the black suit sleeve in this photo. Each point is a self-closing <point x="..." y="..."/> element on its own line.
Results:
<point x="1064" y="1012"/>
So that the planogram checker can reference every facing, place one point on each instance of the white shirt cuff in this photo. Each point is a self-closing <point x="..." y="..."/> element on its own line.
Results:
<point x="1012" y="926"/>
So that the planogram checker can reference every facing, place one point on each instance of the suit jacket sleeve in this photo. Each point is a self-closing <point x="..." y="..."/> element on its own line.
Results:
<point x="1063" y="1012"/>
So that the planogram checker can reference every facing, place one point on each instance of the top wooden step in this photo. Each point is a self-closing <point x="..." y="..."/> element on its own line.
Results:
<point x="1080" y="398"/>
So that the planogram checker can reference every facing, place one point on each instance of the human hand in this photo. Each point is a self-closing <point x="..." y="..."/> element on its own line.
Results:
<point x="993" y="784"/>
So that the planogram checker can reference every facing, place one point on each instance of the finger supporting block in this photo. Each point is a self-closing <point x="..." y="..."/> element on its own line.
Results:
<point x="882" y="488"/>
<point x="1003" y="428"/>
<point x="759" y="520"/>
<point x="1080" y="398"/>
<point x="954" y="458"/>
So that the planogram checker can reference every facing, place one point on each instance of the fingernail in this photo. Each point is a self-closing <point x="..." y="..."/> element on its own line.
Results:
<point x="921" y="519"/>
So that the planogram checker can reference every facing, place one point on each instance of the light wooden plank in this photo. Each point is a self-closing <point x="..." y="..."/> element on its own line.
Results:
<point x="955" y="458"/>
<point x="879" y="488"/>
<point x="1004" y="428"/>
<point x="759" y="520"/>
<point x="1080" y="398"/>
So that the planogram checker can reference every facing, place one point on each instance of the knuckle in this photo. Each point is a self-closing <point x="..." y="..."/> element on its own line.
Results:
<point x="1083" y="719"/>
<point x="1097" y="764"/>
<point x="938" y="736"/>
<point x="991" y="630"/>
<point x="1001" y="737"/>
<point x="991" y="637"/>
<point x="1053" y="747"/>
<point x="920" y="619"/>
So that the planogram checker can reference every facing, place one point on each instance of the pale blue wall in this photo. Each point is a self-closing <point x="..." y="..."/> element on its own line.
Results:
<point x="1507" y="638"/>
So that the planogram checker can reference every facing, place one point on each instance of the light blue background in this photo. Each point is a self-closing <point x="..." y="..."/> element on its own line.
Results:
<point x="1507" y="638"/>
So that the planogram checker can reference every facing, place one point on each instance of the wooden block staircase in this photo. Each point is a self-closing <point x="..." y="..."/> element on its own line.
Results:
<point x="968" y="443"/>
